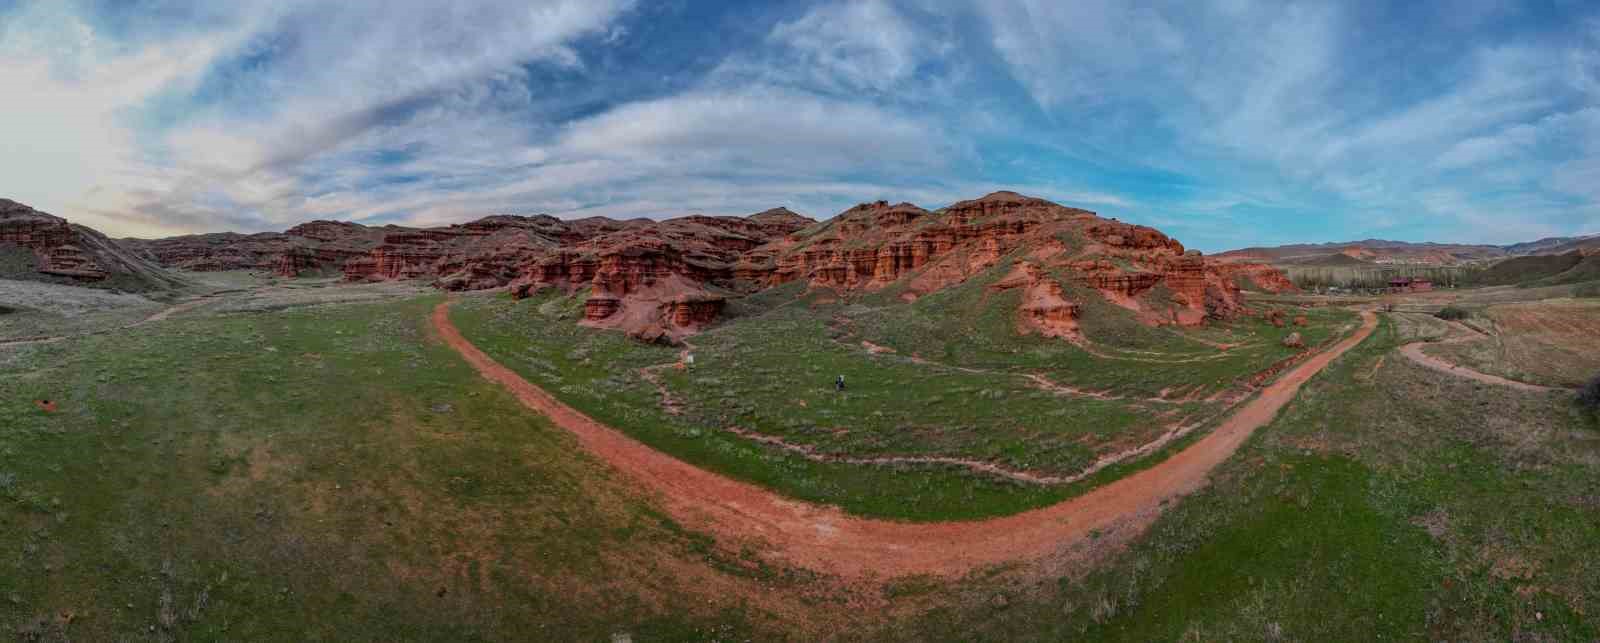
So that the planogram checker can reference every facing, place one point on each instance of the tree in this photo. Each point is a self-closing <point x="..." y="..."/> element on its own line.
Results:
<point x="1589" y="395"/>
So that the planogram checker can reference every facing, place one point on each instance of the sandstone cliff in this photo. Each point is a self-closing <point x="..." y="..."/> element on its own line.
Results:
<point x="49" y="248"/>
<point x="663" y="280"/>
<point x="878" y="245"/>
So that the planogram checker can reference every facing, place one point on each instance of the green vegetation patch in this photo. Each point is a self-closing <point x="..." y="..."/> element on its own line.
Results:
<point x="330" y="473"/>
<point x="1519" y="270"/>
<point x="1385" y="503"/>
<point x="956" y="381"/>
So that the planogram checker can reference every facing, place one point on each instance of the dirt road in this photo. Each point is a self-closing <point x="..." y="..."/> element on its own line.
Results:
<point x="174" y="309"/>
<point x="827" y="540"/>
<point x="1413" y="351"/>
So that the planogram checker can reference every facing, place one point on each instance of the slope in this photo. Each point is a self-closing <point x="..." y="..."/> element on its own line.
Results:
<point x="37" y="246"/>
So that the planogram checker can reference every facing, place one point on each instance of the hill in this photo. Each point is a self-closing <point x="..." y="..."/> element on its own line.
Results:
<point x="1554" y="245"/>
<point x="1517" y="270"/>
<point x="37" y="246"/>
<point x="1381" y="251"/>
<point x="1372" y="251"/>
<point x="663" y="280"/>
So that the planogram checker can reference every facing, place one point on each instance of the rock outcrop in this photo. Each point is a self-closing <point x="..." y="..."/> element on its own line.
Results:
<point x="659" y="281"/>
<point x="878" y="245"/>
<point x="56" y="249"/>
<point x="664" y="280"/>
<point x="315" y="247"/>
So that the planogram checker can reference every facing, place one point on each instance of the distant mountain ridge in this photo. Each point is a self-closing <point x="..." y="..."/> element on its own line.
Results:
<point x="1383" y="251"/>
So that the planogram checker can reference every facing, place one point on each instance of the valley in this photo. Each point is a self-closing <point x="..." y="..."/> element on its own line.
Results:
<point x="1062" y="419"/>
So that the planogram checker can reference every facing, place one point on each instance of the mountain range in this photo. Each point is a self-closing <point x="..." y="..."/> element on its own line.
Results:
<point x="1380" y="251"/>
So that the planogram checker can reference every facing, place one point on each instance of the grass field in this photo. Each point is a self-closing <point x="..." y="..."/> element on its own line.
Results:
<point x="1386" y="503"/>
<point x="323" y="473"/>
<point x="769" y="372"/>
<point x="1551" y="343"/>
<point x="279" y="467"/>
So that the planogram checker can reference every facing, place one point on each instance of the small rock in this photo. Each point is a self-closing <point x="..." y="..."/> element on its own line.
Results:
<point x="443" y="408"/>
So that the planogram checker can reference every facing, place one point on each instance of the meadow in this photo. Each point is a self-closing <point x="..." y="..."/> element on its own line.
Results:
<point x="1549" y="343"/>
<point x="932" y="389"/>
<point x="323" y="472"/>
<point x="310" y="463"/>
<point x="1387" y="502"/>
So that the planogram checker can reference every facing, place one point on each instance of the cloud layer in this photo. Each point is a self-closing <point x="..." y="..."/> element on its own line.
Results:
<point x="1226" y="122"/>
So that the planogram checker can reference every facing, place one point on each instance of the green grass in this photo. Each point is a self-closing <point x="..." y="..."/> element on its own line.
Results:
<point x="323" y="474"/>
<point x="1519" y="270"/>
<point x="334" y="473"/>
<point x="596" y="372"/>
<point x="1586" y="269"/>
<point x="970" y="326"/>
<point x="1384" y="503"/>
<point x="770" y="369"/>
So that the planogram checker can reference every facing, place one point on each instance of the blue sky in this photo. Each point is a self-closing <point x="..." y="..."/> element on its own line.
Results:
<point x="1225" y="123"/>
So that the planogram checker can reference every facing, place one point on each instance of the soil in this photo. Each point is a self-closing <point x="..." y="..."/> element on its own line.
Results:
<point x="827" y="540"/>
<point x="1413" y="351"/>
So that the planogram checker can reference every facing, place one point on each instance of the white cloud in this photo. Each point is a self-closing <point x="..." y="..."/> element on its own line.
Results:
<point x="1066" y="52"/>
<point x="1484" y="149"/>
<point x="778" y="128"/>
<point x="329" y="74"/>
<point x="855" y="44"/>
<point x="64" y="141"/>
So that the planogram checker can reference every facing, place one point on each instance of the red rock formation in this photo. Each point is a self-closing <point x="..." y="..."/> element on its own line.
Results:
<point x="64" y="249"/>
<point x="295" y="261"/>
<point x="326" y="231"/>
<point x="693" y="311"/>
<point x="666" y="279"/>
<point x="598" y="308"/>
<point x="70" y="261"/>
<point x="1262" y="276"/>
<point x="1044" y="308"/>
<point x="875" y="245"/>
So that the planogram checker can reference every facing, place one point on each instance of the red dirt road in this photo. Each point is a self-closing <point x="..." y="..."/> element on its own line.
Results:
<point x="1413" y="351"/>
<point x="827" y="540"/>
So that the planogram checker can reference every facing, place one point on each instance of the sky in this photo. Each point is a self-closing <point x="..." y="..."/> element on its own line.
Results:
<point x="1225" y="123"/>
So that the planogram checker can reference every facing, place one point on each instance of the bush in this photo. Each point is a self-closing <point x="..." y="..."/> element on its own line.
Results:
<point x="1589" y="396"/>
<point x="1452" y="313"/>
<point x="1591" y="289"/>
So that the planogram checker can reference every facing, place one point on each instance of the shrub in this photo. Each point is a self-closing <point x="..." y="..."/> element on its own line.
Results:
<point x="1589" y="396"/>
<point x="1452" y="313"/>
<point x="1591" y="289"/>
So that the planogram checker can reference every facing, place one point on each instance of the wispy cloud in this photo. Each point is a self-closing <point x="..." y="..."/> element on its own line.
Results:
<point x="1232" y="122"/>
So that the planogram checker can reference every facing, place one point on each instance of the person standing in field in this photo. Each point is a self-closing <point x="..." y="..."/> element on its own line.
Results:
<point x="838" y="384"/>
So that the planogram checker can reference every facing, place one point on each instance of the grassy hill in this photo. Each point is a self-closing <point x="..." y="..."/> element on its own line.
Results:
<point x="1519" y="270"/>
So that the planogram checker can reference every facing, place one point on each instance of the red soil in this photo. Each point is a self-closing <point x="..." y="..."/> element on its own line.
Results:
<point x="827" y="540"/>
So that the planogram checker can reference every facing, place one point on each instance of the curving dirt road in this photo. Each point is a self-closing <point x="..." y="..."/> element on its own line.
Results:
<point x="180" y="307"/>
<point x="827" y="540"/>
<point x="1413" y="351"/>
